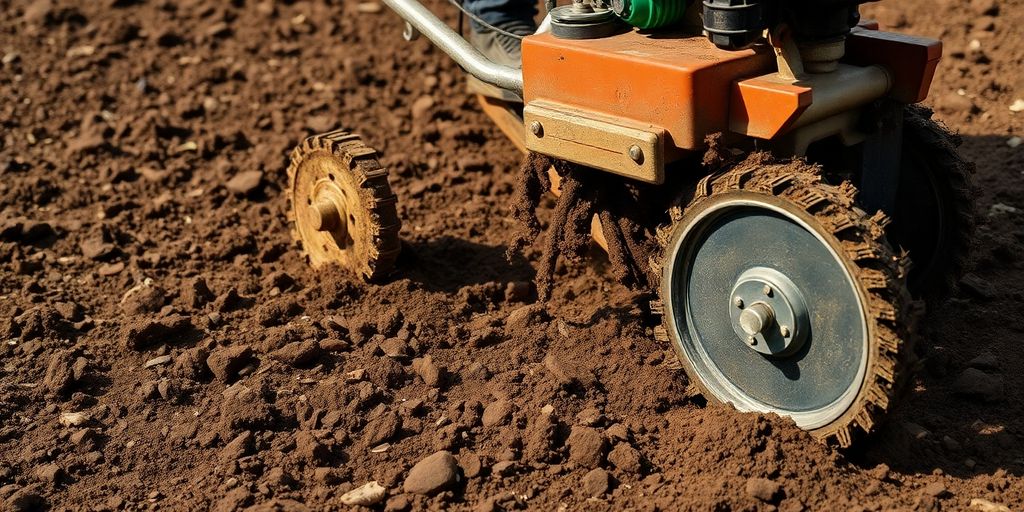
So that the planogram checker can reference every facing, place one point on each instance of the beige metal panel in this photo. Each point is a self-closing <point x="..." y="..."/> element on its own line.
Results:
<point x="611" y="144"/>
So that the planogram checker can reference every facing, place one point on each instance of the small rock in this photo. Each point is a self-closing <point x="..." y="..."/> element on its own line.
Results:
<point x="596" y="482"/>
<point x="974" y="383"/>
<point x="472" y="465"/>
<point x="567" y="372"/>
<point x="225" y="363"/>
<point x="497" y="413"/>
<point x="421" y="107"/>
<point x="73" y="419"/>
<point x="144" y="299"/>
<point x="586" y="446"/>
<point x="984" y="361"/>
<point x="432" y="374"/>
<point x="381" y="429"/>
<point x="399" y="503"/>
<point x="196" y="293"/>
<point x="525" y="317"/>
<point x="432" y="474"/>
<point x="239" y="447"/>
<point x="505" y="468"/>
<point x="368" y="7"/>
<point x="977" y="287"/>
<point x="300" y="354"/>
<point x="935" y="490"/>
<point x="365" y="495"/>
<point x="395" y="348"/>
<point x="244" y="182"/>
<point x="1014" y="141"/>
<point x="626" y="458"/>
<point x="764" y="489"/>
<point x="1017" y="105"/>
<point x="49" y="473"/>
<point x="95" y="248"/>
<point x="59" y="375"/>
<point x="987" y="506"/>
<point x="158" y="361"/>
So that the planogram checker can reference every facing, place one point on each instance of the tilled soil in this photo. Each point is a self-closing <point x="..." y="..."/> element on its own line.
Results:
<point x="165" y="346"/>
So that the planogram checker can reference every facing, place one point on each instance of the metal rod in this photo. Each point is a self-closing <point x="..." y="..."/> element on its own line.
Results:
<point x="463" y="53"/>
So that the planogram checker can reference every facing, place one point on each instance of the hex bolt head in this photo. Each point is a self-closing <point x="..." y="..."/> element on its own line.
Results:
<point x="768" y="291"/>
<point x="751" y="341"/>
<point x="784" y="330"/>
<point x="636" y="154"/>
<point x="738" y="302"/>
<point x="537" y="129"/>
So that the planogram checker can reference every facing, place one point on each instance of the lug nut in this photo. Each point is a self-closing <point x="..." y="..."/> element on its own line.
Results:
<point x="752" y="341"/>
<point x="738" y="302"/>
<point x="767" y="291"/>
<point x="784" y="330"/>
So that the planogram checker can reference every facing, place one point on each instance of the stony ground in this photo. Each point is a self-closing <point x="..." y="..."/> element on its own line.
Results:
<point x="165" y="346"/>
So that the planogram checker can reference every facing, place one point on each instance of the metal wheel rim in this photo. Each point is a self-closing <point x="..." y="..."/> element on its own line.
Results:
<point x="699" y="361"/>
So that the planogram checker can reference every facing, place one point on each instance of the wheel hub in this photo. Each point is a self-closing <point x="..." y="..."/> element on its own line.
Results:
<point x="768" y="312"/>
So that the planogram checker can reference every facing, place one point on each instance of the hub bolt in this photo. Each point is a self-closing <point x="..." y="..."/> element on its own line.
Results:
<point x="752" y="341"/>
<point x="738" y="302"/>
<point x="768" y="291"/>
<point x="784" y="330"/>
<point x="537" y="129"/>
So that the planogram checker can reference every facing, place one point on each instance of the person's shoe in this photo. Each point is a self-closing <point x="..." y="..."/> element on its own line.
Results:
<point x="501" y="49"/>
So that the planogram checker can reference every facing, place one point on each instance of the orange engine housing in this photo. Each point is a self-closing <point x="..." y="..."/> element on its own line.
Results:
<point x="679" y="83"/>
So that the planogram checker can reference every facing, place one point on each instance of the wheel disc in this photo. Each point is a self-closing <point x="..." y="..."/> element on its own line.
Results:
<point x="734" y="252"/>
<point x="781" y="296"/>
<point x="343" y="211"/>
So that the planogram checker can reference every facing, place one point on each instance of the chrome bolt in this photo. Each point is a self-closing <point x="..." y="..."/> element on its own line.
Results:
<point x="785" y="331"/>
<point x="767" y="291"/>
<point x="636" y="154"/>
<point x="738" y="302"/>
<point x="752" y="341"/>
<point x="537" y="129"/>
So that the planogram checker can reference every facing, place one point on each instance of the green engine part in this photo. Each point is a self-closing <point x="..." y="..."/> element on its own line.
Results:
<point x="648" y="14"/>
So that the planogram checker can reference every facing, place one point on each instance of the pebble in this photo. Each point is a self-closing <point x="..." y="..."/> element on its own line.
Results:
<point x="596" y="482"/>
<point x="497" y="413"/>
<point x="524" y="317"/>
<point x="1017" y="105"/>
<point x="239" y="447"/>
<point x="987" y="506"/>
<point x="764" y="489"/>
<point x="586" y="446"/>
<point x="1014" y="141"/>
<point x="422" y="106"/>
<point x="369" y="7"/>
<point x="432" y="474"/>
<point x="73" y="419"/>
<point x="974" y="383"/>
<point x="157" y="361"/>
<point x="244" y="182"/>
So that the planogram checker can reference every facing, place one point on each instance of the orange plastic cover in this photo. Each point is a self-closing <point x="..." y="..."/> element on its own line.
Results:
<point x="678" y="83"/>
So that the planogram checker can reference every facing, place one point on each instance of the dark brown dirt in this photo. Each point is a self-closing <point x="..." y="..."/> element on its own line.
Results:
<point x="165" y="346"/>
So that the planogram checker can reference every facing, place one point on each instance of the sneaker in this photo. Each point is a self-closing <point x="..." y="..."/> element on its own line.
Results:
<point x="501" y="49"/>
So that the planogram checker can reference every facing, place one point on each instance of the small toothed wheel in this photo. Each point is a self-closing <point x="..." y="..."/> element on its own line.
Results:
<point x="780" y="296"/>
<point x="342" y="208"/>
